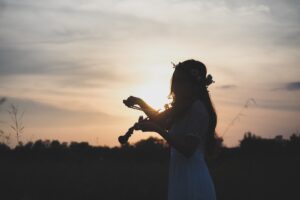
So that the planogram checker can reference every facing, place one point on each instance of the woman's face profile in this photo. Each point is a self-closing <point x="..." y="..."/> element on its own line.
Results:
<point x="181" y="84"/>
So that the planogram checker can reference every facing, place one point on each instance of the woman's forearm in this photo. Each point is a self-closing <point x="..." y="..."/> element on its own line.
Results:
<point x="178" y="143"/>
<point x="148" y="110"/>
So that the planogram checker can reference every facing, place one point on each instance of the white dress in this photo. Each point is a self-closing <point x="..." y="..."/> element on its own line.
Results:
<point x="189" y="178"/>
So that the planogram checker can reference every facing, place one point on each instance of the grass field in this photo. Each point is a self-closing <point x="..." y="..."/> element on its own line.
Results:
<point x="236" y="177"/>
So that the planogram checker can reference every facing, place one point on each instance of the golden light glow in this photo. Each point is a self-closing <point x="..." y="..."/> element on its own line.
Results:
<point x="154" y="93"/>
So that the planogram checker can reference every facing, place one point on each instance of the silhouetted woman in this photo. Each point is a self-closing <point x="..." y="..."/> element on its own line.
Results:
<point x="191" y="134"/>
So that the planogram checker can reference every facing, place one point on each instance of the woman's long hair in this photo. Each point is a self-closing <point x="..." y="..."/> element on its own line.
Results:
<point x="188" y="83"/>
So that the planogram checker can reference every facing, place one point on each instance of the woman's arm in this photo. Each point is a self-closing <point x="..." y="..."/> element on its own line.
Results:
<point x="148" y="110"/>
<point x="195" y="128"/>
<point x="184" y="144"/>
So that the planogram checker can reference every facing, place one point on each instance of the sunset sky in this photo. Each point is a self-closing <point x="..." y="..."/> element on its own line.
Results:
<point x="69" y="64"/>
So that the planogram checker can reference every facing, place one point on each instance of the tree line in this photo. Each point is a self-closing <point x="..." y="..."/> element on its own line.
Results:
<point x="148" y="149"/>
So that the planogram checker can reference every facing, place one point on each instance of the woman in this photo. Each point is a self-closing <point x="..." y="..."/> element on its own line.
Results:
<point x="191" y="134"/>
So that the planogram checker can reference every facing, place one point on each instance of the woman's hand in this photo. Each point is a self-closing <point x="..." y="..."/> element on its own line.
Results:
<point x="147" y="126"/>
<point x="131" y="101"/>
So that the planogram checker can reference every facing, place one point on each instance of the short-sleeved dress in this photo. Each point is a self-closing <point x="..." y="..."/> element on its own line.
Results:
<point x="189" y="178"/>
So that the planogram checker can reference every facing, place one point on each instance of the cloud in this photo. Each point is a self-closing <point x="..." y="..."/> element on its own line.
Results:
<point x="2" y="100"/>
<point x="51" y="115"/>
<point x="293" y="86"/>
<point x="227" y="87"/>
<point x="278" y="105"/>
<point x="63" y="71"/>
<point x="76" y="44"/>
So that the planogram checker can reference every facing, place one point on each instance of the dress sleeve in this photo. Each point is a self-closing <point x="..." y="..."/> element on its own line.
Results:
<point x="197" y="121"/>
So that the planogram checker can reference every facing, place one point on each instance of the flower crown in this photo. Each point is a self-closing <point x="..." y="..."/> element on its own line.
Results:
<point x="196" y="73"/>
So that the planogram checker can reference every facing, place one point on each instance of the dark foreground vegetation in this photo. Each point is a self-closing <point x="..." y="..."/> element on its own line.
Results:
<point x="258" y="169"/>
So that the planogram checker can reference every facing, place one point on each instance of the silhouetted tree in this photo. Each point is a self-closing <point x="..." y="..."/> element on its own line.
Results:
<point x="4" y="147"/>
<point x="294" y="144"/>
<point x="151" y="148"/>
<point x="39" y="145"/>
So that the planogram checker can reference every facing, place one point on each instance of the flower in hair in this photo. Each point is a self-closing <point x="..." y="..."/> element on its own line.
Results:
<point x="209" y="80"/>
